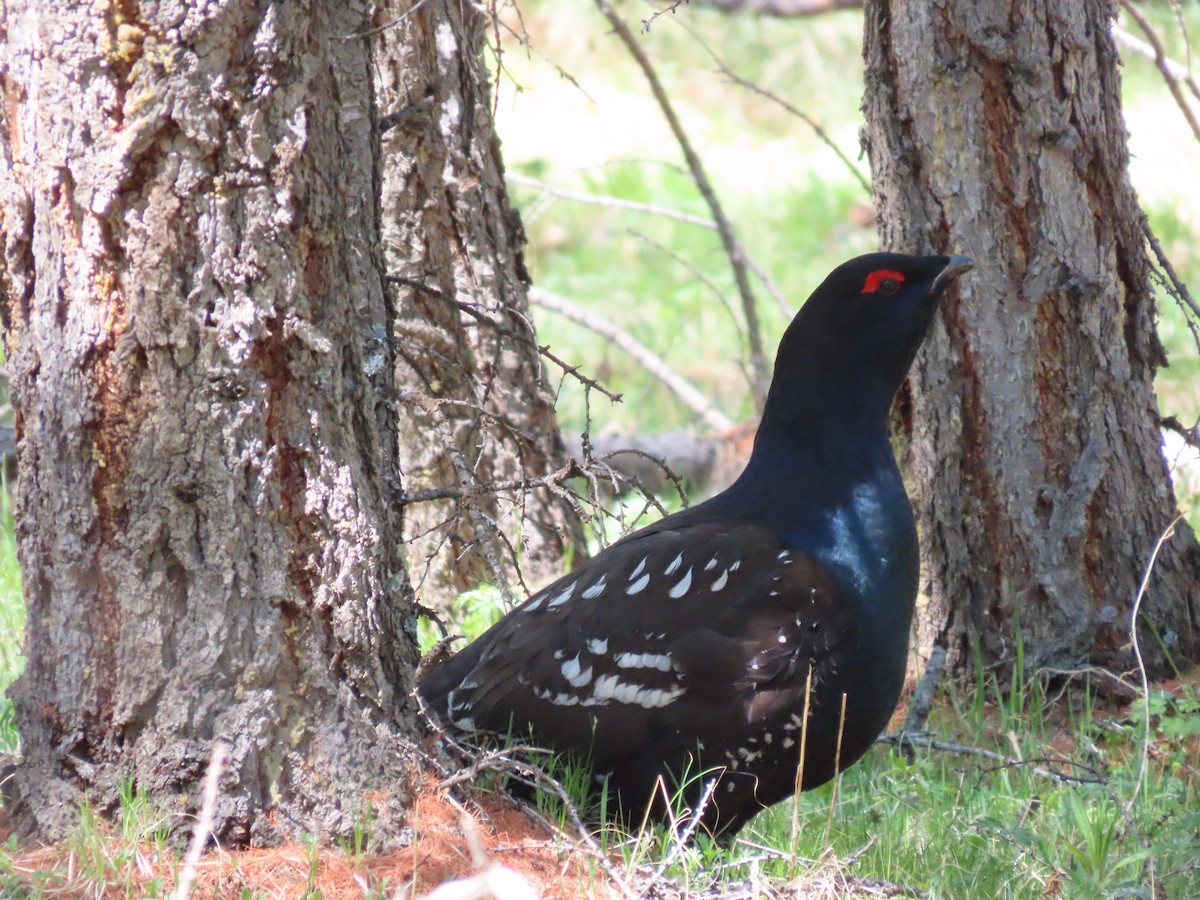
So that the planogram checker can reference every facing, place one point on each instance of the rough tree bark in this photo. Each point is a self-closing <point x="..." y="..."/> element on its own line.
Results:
<point x="197" y="332"/>
<point x="480" y="391"/>
<point x="995" y="130"/>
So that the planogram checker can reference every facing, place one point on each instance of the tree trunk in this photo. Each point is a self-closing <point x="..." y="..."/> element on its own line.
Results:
<point x="482" y="411"/>
<point x="1032" y="418"/>
<point x="196" y="327"/>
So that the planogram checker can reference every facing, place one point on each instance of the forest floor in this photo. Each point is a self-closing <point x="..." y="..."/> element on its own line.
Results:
<point x="1081" y="803"/>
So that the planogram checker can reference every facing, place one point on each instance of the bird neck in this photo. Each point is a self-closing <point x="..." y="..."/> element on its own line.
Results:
<point x="816" y="461"/>
<point x="835" y="492"/>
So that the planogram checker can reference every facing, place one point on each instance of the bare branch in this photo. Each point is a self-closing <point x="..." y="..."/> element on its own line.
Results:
<point x="1191" y="436"/>
<point x="922" y="701"/>
<point x="669" y="8"/>
<point x="613" y="202"/>
<point x="904" y="739"/>
<point x="1160" y="60"/>
<point x="664" y="212"/>
<point x="808" y="120"/>
<point x="523" y="39"/>
<point x="485" y="528"/>
<point x="782" y="9"/>
<point x="204" y="821"/>
<point x="733" y="249"/>
<point x="542" y="349"/>
<point x="464" y="491"/>
<point x="1140" y="47"/>
<point x="1175" y="284"/>
<point x="647" y="358"/>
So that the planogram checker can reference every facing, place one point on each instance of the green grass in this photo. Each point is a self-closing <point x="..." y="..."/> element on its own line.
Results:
<point x="958" y="826"/>
<point x="955" y="825"/>
<point x="96" y="859"/>
<point x="12" y="622"/>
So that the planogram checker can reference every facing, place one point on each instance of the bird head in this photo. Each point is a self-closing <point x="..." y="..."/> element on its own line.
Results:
<point x="852" y="343"/>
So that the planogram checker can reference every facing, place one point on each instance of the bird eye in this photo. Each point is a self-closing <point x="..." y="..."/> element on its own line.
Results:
<point x="883" y="281"/>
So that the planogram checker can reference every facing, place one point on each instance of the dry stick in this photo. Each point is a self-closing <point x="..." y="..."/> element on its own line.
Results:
<point x="1154" y="751"/>
<point x="1160" y="60"/>
<point x="1180" y="289"/>
<point x="542" y="349"/>
<point x="799" y="784"/>
<point x="922" y="701"/>
<point x="782" y="9"/>
<point x="647" y="358"/>
<point x="711" y="285"/>
<point x="606" y="201"/>
<point x="1137" y="45"/>
<point x="502" y="761"/>
<point x="733" y="249"/>
<point x="485" y="528"/>
<point x="523" y="40"/>
<point x="691" y="267"/>
<point x="204" y="823"/>
<point x="542" y="781"/>
<point x="927" y="740"/>
<point x="785" y="307"/>
<point x="837" y="770"/>
<point x="368" y="32"/>
<point x="651" y="500"/>
<point x="681" y="838"/>
<point x="1191" y="436"/>
<point x="1183" y="33"/>
<point x="614" y="202"/>
<point x="1144" y="760"/>
<point x="463" y="492"/>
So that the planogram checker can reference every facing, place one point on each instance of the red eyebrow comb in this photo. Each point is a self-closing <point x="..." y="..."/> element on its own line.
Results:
<point x="871" y="285"/>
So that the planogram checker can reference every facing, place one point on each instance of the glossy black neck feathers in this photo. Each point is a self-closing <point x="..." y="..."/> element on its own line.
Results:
<point x="842" y="359"/>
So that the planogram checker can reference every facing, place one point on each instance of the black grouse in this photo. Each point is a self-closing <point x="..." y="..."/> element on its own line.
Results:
<point x="761" y="632"/>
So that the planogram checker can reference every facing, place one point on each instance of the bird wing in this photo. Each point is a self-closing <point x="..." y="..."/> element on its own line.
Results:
<point x="672" y="634"/>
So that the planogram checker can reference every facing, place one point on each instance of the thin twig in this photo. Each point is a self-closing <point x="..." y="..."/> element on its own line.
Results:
<point x="904" y="739"/>
<point x="1191" y="436"/>
<point x="609" y="202"/>
<point x="679" y="841"/>
<point x="204" y="822"/>
<point x="800" y="114"/>
<point x="922" y="701"/>
<point x="650" y="497"/>
<point x="1160" y="60"/>
<point x="1179" y="288"/>
<point x="523" y="40"/>
<point x="733" y="249"/>
<point x="708" y="282"/>
<point x="465" y="491"/>
<point x="782" y="9"/>
<point x="501" y="328"/>
<point x="647" y="358"/>
<point x="1144" y="759"/>
<point x="646" y="23"/>
<point x="485" y="528"/>
<point x="1137" y="45"/>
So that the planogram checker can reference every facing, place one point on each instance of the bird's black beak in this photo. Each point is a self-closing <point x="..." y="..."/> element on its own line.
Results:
<point x="957" y="266"/>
